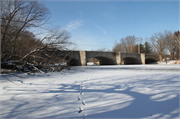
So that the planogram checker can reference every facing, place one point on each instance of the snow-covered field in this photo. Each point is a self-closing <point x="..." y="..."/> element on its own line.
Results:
<point x="125" y="91"/>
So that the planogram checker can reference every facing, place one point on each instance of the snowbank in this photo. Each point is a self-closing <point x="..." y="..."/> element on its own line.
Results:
<point x="170" y="62"/>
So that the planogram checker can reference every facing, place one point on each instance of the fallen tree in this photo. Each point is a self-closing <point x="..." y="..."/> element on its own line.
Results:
<point x="42" y="57"/>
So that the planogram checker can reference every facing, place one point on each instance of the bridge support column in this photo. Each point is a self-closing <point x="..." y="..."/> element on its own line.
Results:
<point x="143" y="58"/>
<point x="118" y="58"/>
<point x="83" y="57"/>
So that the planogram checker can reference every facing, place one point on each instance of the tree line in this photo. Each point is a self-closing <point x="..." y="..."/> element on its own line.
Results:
<point x="162" y="43"/>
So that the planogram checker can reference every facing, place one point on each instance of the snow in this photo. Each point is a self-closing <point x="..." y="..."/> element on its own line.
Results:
<point x="90" y="63"/>
<point x="169" y="62"/>
<point x="124" y="91"/>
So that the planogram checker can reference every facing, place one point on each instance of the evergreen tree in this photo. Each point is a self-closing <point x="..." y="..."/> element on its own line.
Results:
<point x="142" y="48"/>
<point x="147" y="48"/>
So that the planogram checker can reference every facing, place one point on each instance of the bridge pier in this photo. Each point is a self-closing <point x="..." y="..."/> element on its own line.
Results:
<point x="118" y="58"/>
<point x="143" y="58"/>
<point x="83" y="58"/>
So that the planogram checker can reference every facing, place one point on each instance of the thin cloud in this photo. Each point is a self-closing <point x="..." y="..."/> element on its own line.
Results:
<point x="102" y="30"/>
<point x="72" y="25"/>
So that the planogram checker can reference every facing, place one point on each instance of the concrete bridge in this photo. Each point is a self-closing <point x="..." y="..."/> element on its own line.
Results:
<point x="80" y="58"/>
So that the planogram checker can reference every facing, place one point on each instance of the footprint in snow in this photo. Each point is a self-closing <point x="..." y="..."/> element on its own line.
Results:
<point x="80" y="109"/>
<point x="83" y="102"/>
<point x="79" y="98"/>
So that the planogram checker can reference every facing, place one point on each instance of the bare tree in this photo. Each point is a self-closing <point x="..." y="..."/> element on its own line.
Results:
<point x="49" y="54"/>
<point x="116" y="47"/>
<point x="123" y="45"/>
<point x="176" y="39"/>
<point x="17" y="17"/>
<point x="171" y="47"/>
<point x="44" y="54"/>
<point x="126" y="45"/>
<point x="130" y="41"/>
<point x="159" y="42"/>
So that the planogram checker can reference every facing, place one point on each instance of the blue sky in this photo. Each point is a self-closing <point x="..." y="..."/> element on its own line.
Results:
<point x="97" y="24"/>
